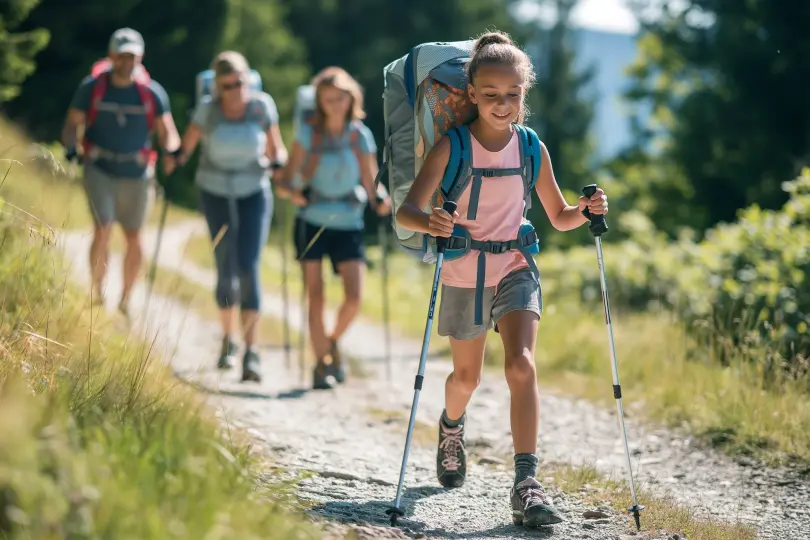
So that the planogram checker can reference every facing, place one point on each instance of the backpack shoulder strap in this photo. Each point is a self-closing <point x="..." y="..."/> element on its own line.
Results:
<point x="96" y="95"/>
<point x="256" y="112"/>
<point x="530" y="159"/>
<point x="355" y="136"/>
<point x="313" y="154"/>
<point x="457" y="172"/>
<point x="148" y="100"/>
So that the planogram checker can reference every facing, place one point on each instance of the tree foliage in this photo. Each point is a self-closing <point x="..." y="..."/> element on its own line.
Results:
<point x="725" y="80"/>
<point x="17" y="48"/>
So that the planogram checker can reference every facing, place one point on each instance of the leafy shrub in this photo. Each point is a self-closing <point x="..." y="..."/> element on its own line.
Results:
<point x="746" y="284"/>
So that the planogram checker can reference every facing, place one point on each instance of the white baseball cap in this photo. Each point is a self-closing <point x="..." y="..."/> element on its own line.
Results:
<point x="127" y="40"/>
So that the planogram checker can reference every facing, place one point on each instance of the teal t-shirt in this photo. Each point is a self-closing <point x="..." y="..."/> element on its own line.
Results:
<point x="337" y="174"/>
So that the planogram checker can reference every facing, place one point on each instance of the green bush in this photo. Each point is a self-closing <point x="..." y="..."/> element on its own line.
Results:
<point x="745" y="285"/>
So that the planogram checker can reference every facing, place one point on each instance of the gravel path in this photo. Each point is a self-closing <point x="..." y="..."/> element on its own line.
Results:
<point x="351" y="439"/>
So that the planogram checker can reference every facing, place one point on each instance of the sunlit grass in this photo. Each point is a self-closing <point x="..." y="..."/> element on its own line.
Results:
<point x="99" y="440"/>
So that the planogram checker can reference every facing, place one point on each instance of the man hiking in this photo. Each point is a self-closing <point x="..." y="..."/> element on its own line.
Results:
<point x="120" y="108"/>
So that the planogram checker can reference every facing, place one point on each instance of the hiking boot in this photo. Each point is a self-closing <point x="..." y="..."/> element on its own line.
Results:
<point x="227" y="355"/>
<point x="250" y="367"/>
<point x="531" y="505"/>
<point x="451" y="459"/>
<point x="336" y="368"/>
<point x="321" y="378"/>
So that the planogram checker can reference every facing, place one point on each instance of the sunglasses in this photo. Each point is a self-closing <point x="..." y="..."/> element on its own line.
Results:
<point x="233" y="85"/>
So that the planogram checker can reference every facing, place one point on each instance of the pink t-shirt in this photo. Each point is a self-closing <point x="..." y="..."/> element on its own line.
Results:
<point x="500" y="214"/>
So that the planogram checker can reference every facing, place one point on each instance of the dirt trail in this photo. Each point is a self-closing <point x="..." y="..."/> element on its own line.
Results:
<point x="352" y="438"/>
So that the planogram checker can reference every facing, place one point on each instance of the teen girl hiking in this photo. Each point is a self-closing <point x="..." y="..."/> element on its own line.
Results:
<point x="334" y="158"/>
<point x="241" y="140"/>
<point x="491" y="209"/>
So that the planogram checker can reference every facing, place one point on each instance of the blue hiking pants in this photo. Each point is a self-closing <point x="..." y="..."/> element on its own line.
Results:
<point x="238" y="252"/>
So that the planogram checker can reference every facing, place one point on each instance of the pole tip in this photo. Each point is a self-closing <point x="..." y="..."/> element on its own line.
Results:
<point x="394" y="513"/>
<point x="636" y="510"/>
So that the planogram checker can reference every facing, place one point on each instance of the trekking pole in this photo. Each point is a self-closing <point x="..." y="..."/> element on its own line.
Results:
<point x="285" y="286"/>
<point x="302" y="336"/>
<point x="441" y="243"/>
<point x="383" y="238"/>
<point x="161" y="224"/>
<point x="598" y="227"/>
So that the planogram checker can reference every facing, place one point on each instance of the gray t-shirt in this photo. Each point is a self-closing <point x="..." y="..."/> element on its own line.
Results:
<point x="233" y="161"/>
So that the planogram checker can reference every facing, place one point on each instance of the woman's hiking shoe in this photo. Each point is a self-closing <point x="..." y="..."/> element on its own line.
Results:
<point x="336" y="368"/>
<point x="451" y="459"/>
<point x="531" y="505"/>
<point x="321" y="378"/>
<point x="227" y="355"/>
<point x="250" y="367"/>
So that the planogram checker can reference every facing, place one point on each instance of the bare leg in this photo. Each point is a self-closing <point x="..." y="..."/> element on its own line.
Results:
<point x="250" y="324"/>
<point x="518" y="331"/>
<point x="132" y="264"/>
<point x="352" y="274"/>
<point x="226" y="319"/>
<point x="99" y="257"/>
<point x="313" y="281"/>
<point x="468" y="360"/>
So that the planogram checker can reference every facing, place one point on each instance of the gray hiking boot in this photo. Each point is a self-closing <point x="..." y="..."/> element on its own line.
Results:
<point x="336" y="369"/>
<point x="451" y="458"/>
<point x="531" y="505"/>
<point x="321" y="378"/>
<point x="250" y="367"/>
<point x="227" y="355"/>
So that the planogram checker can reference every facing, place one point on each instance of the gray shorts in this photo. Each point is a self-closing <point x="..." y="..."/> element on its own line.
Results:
<point x="518" y="291"/>
<point x="126" y="200"/>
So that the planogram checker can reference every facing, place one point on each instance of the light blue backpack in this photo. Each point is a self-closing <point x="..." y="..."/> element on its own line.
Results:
<point x="205" y="83"/>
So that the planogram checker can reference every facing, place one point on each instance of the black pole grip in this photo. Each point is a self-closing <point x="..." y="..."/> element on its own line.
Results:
<point x="598" y="225"/>
<point x="441" y="242"/>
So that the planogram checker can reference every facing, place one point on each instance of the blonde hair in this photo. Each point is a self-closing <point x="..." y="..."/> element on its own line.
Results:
<point x="228" y="63"/>
<point x="336" y="77"/>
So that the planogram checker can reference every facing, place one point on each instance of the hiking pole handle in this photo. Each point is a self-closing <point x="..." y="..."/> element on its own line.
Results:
<point x="598" y="225"/>
<point x="450" y="208"/>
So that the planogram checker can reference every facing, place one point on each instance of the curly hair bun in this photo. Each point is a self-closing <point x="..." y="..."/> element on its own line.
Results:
<point x="492" y="38"/>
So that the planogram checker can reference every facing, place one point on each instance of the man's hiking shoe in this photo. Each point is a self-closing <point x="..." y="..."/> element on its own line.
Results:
<point x="451" y="459"/>
<point x="227" y="355"/>
<point x="531" y="505"/>
<point x="336" y="368"/>
<point x="250" y="367"/>
<point x="321" y="378"/>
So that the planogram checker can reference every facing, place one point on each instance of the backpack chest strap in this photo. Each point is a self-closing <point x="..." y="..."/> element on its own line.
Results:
<point x="522" y="244"/>
<point x="478" y="176"/>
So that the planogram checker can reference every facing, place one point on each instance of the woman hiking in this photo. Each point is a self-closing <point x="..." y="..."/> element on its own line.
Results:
<point x="334" y="158"/>
<point x="240" y="141"/>
<point x="499" y="75"/>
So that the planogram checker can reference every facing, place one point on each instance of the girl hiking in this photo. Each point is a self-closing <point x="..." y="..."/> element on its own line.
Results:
<point x="241" y="139"/>
<point x="334" y="158"/>
<point x="509" y="299"/>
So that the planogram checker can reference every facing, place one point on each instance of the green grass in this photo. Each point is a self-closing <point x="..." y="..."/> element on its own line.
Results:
<point x="99" y="440"/>
<point x="661" y="514"/>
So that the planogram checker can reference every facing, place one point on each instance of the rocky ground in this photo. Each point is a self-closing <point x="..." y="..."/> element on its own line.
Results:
<point x="348" y="443"/>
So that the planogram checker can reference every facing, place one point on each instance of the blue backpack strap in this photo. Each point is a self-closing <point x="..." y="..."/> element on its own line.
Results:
<point x="456" y="174"/>
<point x="530" y="158"/>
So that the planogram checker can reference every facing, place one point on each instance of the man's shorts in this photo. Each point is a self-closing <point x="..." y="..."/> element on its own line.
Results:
<point x="125" y="200"/>
<point x="518" y="291"/>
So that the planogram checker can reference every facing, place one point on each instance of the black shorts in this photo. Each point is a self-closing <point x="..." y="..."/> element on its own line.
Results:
<point x="340" y="245"/>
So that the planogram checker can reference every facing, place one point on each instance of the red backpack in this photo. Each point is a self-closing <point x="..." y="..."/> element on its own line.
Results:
<point x="101" y="71"/>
